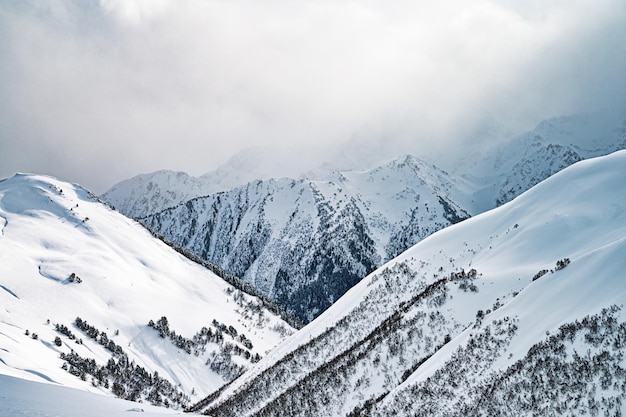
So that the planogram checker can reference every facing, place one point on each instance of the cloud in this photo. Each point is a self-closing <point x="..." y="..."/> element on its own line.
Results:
<point x="95" y="92"/>
<point x="136" y="11"/>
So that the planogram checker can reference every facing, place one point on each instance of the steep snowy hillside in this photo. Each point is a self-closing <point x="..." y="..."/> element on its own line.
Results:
<point x="304" y="243"/>
<point x="22" y="398"/>
<point x="517" y="311"/>
<point x="89" y="299"/>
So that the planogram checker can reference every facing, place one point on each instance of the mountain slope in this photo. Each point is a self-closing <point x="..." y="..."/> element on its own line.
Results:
<point x="518" y="307"/>
<point x="19" y="398"/>
<point x="80" y="284"/>
<point x="304" y="243"/>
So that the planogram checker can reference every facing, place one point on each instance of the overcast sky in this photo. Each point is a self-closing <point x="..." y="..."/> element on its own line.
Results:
<point x="98" y="91"/>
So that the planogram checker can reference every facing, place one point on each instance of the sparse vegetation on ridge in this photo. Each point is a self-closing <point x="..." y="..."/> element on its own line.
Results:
<point x="123" y="377"/>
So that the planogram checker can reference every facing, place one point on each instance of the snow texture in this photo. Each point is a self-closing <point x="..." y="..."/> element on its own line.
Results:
<point x="65" y="255"/>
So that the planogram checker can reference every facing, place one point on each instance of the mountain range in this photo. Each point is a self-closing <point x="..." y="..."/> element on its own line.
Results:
<point x="492" y="289"/>
<point x="304" y="242"/>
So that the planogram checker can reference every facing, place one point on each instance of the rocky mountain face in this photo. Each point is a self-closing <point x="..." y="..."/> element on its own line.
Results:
<point x="516" y="311"/>
<point x="304" y="243"/>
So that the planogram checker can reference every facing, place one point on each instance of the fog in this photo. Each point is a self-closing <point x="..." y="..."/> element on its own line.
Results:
<point x="98" y="91"/>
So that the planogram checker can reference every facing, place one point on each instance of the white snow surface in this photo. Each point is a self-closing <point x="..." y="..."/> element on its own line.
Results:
<point x="580" y="214"/>
<point x="50" y="229"/>
<point x="20" y="398"/>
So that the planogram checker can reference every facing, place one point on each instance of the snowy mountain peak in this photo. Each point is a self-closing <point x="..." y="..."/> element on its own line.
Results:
<point x="303" y="243"/>
<point x="147" y="194"/>
<point x="155" y="191"/>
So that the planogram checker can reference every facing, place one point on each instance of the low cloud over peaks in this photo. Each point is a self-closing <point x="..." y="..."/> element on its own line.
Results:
<point x="112" y="88"/>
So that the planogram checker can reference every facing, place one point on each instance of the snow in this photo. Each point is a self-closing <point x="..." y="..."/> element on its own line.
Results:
<point x="19" y="397"/>
<point x="300" y="233"/>
<point x="53" y="229"/>
<point x="151" y="193"/>
<point x="50" y="229"/>
<point x="579" y="213"/>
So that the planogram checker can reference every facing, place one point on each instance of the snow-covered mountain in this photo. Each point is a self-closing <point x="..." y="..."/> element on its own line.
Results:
<point x="516" y="311"/>
<point x="151" y="193"/>
<point x="507" y="170"/>
<point x="503" y="170"/>
<point x="90" y="299"/>
<point x="304" y="243"/>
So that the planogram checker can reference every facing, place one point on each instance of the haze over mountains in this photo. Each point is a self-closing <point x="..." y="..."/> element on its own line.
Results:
<point x="304" y="242"/>
<point x="589" y="134"/>
<point x="423" y="213"/>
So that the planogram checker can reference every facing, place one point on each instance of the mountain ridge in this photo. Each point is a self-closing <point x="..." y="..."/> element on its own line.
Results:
<point x="304" y="242"/>
<point x="92" y="300"/>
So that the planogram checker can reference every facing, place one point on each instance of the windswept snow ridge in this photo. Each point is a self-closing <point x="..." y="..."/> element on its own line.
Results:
<point x="91" y="300"/>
